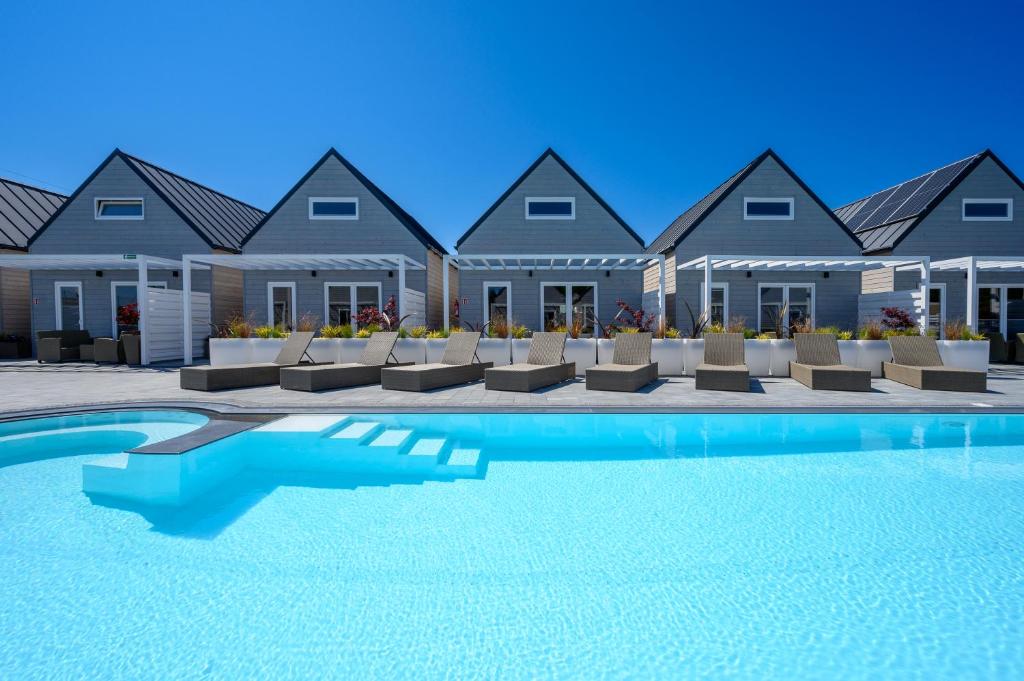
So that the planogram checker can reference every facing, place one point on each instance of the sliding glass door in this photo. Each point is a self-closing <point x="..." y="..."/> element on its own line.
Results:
<point x="568" y="304"/>
<point x="796" y="299"/>
<point x="345" y="300"/>
<point x="1001" y="310"/>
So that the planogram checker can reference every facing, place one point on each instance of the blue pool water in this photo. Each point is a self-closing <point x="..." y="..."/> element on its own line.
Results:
<point x="521" y="546"/>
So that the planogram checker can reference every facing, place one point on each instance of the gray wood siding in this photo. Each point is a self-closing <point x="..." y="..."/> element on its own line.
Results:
<point x="812" y="232"/>
<point x="506" y="229"/>
<point x="526" y="304"/>
<point x="944" y="234"/>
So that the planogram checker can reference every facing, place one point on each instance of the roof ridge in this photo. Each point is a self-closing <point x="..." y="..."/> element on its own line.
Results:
<point x="33" y="187"/>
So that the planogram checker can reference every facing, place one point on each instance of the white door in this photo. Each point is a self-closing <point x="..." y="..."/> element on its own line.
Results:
<point x="68" y="302"/>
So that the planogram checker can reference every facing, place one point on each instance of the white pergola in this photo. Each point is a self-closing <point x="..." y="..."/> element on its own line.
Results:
<point x="560" y="262"/>
<point x="290" y="262"/>
<point x="138" y="262"/>
<point x="776" y="263"/>
<point x="972" y="264"/>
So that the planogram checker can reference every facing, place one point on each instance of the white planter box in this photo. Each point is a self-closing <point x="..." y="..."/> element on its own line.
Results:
<point x="583" y="351"/>
<point x="693" y="354"/>
<point x="351" y="349"/>
<point x="230" y="351"/>
<point x="520" y="350"/>
<point x="497" y="350"/>
<point x="265" y="349"/>
<point x="848" y="352"/>
<point x="435" y="349"/>
<point x="605" y="350"/>
<point x="758" y="355"/>
<point x="871" y="354"/>
<point x="325" y="350"/>
<point x="411" y="350"/>
<point x="783" y="352"/>
<point x="965" y="354"/>
<point x="668" y="353"/>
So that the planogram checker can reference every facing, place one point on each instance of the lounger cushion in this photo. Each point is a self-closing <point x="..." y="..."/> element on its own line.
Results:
<point x="735" y="377"/>
<point x="311" y="378"/>
<point x="834" y="377"/>
<point x="233" y="376"/>
<point x="621" y="377"/>
<point x="936" y="377"/>
<point x="528" y="377"/>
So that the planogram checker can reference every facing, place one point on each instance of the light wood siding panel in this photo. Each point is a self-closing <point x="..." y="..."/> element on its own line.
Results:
<point x="651" y="284"/>
<point x="812" y="232"/>
<point x="944" y="234"/>
<point x="15" y="300"/>
<point x="877" y="281"/>
<point x="227" y="297"/>
<point x="435" y="290"/>
<point x="506" y="229"/>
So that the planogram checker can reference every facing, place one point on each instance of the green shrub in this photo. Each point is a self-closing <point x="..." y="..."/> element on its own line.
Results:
<point x="418" y="332"/>
<point x="336" y="331"/>
<point x="437" y="333"/>
<point x="266" y="331"/>
<point x="672" y="332"/>
<point x="518" y="331"/>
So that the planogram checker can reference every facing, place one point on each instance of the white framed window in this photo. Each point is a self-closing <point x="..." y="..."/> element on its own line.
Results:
<point x="497" y="300"/>
<point x="564" y="302"/>
<point x="719" y="302"/>
<point x="120" y="208"/>
<point x="333" y="208"/>
<point x="125" y="293"/>
<point x="772" y="299"/>
<point x="281" y="304"/>
<point x="343" y="300"/>
<point x="767" y="208"/>
<point x="550" y="207"/>
<point x="985" y="210"/>
<point x="67" y="302"/>
<point x="1000" y="308"/>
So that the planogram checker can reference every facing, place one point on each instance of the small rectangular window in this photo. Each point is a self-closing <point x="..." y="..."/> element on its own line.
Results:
<point x="119" y="209"/>
<point x="767" y="209"/>
<point x="333" y="208"/>
<point x="551" y="208"/>
<point x="988" y="209"/>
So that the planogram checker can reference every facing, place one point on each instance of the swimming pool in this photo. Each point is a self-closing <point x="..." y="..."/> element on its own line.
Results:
<point x="644" y="545"/>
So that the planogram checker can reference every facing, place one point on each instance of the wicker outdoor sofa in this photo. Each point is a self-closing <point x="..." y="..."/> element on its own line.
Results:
<point x="724" y="366"/>
<point x="545" y="365"/>
<point x="819" y="367"/>
<point x="631" y="367"/>
<point x="377" y="355"/>
<point x="54" y="347"/>
<point x="916" y="362"/>
<point x="249" y="375"/>
<point x="459" y="364"/>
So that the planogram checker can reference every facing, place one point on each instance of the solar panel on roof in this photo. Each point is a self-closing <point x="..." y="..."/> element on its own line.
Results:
<point x="896" y="200"/>
<point x="870" y="204"/>
<point x="935" y="184"/>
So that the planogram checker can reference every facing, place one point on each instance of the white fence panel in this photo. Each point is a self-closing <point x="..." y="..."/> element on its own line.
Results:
<point x="164" y="319"/>
<point x="869" y="305"/>
<point x="415" y="307"/>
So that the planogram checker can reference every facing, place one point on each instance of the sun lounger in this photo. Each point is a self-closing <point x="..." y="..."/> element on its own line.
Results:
<point x="631" y="367"/>
<point x="819" y="367"/>
<point x="916" y="362"/>
<point x="249" y="375"/>
<point x="459" y="364"/>
<point x="545" y="365"/>
<point x="378" y="353"/>
<point x="724" y="366"/>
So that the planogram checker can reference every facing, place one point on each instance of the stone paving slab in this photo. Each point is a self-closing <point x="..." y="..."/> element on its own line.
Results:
<point x="29" y="387"/>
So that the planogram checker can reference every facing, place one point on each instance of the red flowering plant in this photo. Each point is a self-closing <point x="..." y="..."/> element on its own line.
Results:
<point x="628" y="317"/>
<point x="128" y="317"/>
<point x="382" y="319"/>
<point x="897" y="319"/>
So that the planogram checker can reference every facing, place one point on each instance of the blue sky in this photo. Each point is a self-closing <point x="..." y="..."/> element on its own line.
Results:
<point x="444" y="104"/>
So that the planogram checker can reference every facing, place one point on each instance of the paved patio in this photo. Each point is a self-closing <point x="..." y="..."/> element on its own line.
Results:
<point x="28" y="387"/>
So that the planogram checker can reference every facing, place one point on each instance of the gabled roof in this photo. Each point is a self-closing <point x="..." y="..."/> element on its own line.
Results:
<point x="688" y="221"/>
<point x="221" y="221"/>
<point x="409" y="221"/>
<point x="883" y="219"/>
<point x="572" y="173"/>
<point x="23" y="210"/>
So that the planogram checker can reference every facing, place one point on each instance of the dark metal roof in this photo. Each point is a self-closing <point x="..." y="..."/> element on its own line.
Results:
<point x="883" y="219"/>
<point x="407" y="220"/>
<point x="695" y="214"/>
<point x="572" y="173"/>
<point x="221" y="221"/>
<point x="23" y="210"/>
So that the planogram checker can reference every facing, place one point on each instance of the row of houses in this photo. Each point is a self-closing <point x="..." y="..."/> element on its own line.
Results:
<point x="549" y="251"/>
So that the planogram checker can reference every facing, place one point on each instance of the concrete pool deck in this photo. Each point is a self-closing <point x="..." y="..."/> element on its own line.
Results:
<point x="30" y="388"/>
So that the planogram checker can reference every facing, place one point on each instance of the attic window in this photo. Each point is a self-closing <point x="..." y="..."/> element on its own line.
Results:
<point x="988" y="209"/>
<point x="767" y="208"/>
<point x="551" y="208"/>
<point x="333" y="208"/>
<point x="120" y="209"/>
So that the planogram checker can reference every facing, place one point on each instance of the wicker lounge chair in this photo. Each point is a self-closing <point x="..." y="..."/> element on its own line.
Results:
<point x="459" y="364"/>
<point x="249" y="375"/>
<point x="631" y="367"/>
<point x="724" y="366"/>
<point x="62" y="346"/>
<point x="916" y="362"/>
<point x="818" y="365"/>
<point x="378" y="353"/>
<point x="545" y="365"/>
